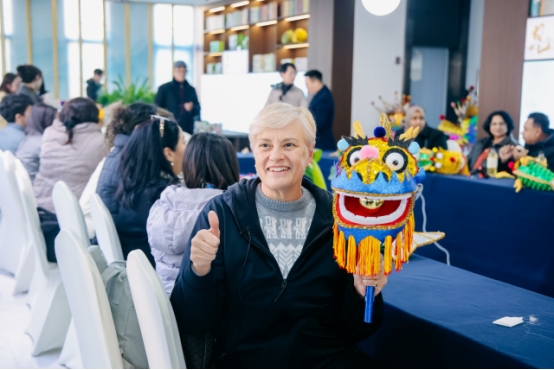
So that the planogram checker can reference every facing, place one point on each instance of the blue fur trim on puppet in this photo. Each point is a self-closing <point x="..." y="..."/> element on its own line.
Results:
<point x="380" y="185"/>
<point x="360" y="234"/>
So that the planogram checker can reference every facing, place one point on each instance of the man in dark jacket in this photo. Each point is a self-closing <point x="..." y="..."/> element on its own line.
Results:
<point x="539" y="137"/>
<point x="94" y="85"/>
<point x="310" y="319"/>
<point x="180" y="98"/>
<point x="322" y="107"/>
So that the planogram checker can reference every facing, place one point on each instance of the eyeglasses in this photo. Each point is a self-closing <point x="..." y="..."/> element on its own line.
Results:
<point x="162" y="123"/>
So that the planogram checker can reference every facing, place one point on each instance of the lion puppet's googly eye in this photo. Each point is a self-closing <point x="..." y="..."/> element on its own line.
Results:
<point x="354" y="157"/>
<point x="396" y="159"/>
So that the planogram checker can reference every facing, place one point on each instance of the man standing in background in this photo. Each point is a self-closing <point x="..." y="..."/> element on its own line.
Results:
<point x="94" y="85"/>
<point x="180" y="98"/>
<point x="322" y="107"/>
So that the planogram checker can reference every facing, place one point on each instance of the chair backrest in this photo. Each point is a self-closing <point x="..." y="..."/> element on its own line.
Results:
<point x="155" y="314"/>
<point x="89" y="304"/>
<point x="106" y="233"/>
<point x="69" y="213"/>
<point x="13" y="235"/>
<point x="32" y="219"/>
<point x="23" y="180"/>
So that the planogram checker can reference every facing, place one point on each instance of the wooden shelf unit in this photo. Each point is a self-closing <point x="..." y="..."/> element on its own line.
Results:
<point x="263" y="39"/>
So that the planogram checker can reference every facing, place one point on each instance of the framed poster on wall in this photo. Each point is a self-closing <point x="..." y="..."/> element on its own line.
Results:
<point x="539" y="38"/>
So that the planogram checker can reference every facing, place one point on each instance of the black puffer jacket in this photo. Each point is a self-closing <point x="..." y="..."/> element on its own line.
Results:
<point x="109" y="177"/>
<point x="546" y="146"/>
<point x="259" y="319"/>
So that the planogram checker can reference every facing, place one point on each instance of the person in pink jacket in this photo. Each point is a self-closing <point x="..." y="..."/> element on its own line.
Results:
<point x="71" y="149"/>
<point x="210" y="166"/>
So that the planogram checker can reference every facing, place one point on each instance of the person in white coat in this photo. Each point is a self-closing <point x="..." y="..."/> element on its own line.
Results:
<point x="210" y="166"/>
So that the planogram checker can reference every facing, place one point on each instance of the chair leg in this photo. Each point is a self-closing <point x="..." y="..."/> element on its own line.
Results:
<point x="50" y="317"/>
<point x="71" y="355"/>
<point x="24" y="273"/>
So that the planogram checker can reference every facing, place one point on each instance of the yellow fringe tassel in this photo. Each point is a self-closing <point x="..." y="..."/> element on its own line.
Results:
<point x="399" y="243"/>
<point x="339" y="247"/>
<point x="363" y="256"/>
<point x="388" y="255"/>
<point x="376" y="266"/>
<point x="351" y="257"/>
<point x="410" y="234"/>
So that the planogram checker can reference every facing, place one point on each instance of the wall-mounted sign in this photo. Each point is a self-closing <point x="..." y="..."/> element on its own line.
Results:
<point x="539" y="38"/>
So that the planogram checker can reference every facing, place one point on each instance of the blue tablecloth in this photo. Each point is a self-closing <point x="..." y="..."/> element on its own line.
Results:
<point x="246" y="164"/>
<point x="492" y="230"/>
<point x="438" y="316"/>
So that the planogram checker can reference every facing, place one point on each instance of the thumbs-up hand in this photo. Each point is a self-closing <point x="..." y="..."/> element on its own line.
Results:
<point x="204" y="246"/>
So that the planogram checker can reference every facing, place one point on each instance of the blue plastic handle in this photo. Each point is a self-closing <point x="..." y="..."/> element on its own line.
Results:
<point x="369" y="297"/>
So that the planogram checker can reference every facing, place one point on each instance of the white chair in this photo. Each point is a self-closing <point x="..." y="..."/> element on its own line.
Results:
<point x="13" y="233"/>
<point x="69" y="213"/>
<point x="70" y="217"/>
<point x="155" y="314"/>
<point x="89" y="304"/>
<point x="26" y="268"/>
<point x="106" y="233"/>
<point x="50" y="316"/>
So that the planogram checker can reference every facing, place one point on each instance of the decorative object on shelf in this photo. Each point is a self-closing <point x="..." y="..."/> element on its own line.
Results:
<point x="296" y="36"/>
<point x="529" y="172"/>
<point x="214" y="22"/>
<point x="375" y="187"/>
<point x="395" y="111"/>
<point x="294" y="7"/>
<point x="262" y="63"/>
<point x="217" y="46"/>
<point x="236" y="18"/>
<point x="214" y="68"/>
<point x="444" y="161"/>
<point x="380" y="7"/>
<point x="263" y="13"/>
<point x="128" y="94"/>
<point x="465" y="130"/>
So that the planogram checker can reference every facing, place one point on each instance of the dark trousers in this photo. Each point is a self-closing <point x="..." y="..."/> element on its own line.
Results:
<point x="50" y="229"/>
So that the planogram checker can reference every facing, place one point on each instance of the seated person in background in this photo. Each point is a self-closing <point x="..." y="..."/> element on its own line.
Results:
<point x="71" y="149"/>
<point x="259" y="271"/>
<point x="15" y="109"/>
<point x="498" y="126"/>
<point x="539" y="137"/>
<point x="428" y="137"/>
<point x="31" y="82"/>
<point x="286" y="92"/>
<point x="42" y="116"/>
<point x="210" y="166"/>
<point x="149" y="163"/>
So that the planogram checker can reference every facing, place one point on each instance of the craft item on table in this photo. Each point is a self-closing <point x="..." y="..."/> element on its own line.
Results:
<point x="464" y="131"/>
<point x="443" y="161"/>
<point x="395" y="111"/>
<point x="375" y="187"/>
<point x="509" y="321"/>
<point x="313" y="171"/>
<point x="530" y="172"/>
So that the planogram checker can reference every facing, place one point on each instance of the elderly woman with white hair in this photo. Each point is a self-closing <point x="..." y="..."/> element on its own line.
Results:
<point x="259" y="271"/>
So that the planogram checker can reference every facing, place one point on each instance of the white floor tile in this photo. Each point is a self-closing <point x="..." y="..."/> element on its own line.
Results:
<point x="15" y="345"/>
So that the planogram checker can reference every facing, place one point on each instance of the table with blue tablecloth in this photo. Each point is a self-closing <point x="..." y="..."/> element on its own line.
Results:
<point x="439" y="316"/>
<point x="492" y="230"/>
<point x="246" y="164"/>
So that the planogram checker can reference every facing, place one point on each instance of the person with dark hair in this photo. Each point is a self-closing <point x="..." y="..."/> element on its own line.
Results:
<point x="179" y="97"/>
<point x="42" y="116"/>
<point x="210" y="166"/>
<point x="31" y="81"/>
<point x="123" y="124"/>
<point x="150" y="162"/>
<point x="71" y="149"/>
<point x="10" y="85"/>
<point x="539" y="137"/>
<point x="322" y="106"/>
<point x="428" y="136"/>
<point x="499" y="126"/>
<point x="94" y="85"/>
<point x="285" y="91"/>
<point x="15" y="109"/>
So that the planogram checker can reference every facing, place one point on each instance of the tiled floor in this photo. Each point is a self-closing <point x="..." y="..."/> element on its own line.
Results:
<point x="15" y="345"/>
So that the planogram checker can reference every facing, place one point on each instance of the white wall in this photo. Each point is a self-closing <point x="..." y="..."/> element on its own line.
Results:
<point x="475" y="42"/>
<point x="378" y="41"/>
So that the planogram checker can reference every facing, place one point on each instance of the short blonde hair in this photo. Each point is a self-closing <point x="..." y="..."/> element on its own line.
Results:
<point x="279" y="115"/>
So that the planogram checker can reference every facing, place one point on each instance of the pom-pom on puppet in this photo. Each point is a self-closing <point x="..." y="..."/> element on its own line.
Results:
<point x="375" y="187"/>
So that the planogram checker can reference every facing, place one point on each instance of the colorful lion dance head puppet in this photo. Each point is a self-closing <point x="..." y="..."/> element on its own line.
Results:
<point x="375" y="190"/>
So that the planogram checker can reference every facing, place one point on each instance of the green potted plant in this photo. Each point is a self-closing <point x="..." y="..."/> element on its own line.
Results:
<point x="128" y="94"/>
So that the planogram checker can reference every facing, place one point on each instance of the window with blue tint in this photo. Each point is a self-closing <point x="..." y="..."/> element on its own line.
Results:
<point x="41" y="31"/>
<point x="139" y="43"/>
<point x="92" y="35"/>
<point x="183" y="28"/>
<point x="162" y="16"/>
<point x="15" y="33"/>
<point x="115" y="38"/>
